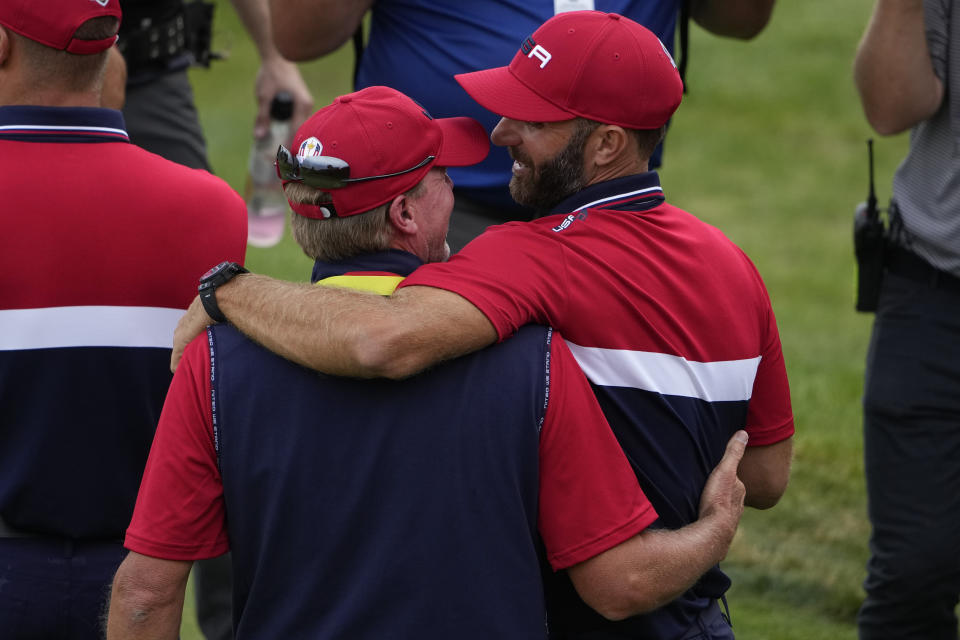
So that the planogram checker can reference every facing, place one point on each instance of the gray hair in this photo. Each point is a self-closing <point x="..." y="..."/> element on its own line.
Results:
<point x="337" y="238"/>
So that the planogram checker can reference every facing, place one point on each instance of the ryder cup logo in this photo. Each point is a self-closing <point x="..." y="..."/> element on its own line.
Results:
<point x="533" y="50"/>
<point x="309" y="148"/>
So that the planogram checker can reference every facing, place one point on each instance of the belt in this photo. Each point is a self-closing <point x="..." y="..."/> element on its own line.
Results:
<point x="909" y="265"/>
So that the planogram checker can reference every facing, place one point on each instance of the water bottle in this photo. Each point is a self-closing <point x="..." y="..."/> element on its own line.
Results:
<point x="266" y="204"/>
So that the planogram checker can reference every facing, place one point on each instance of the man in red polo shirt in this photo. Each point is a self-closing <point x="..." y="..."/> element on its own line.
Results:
<point x="669" y="319"/>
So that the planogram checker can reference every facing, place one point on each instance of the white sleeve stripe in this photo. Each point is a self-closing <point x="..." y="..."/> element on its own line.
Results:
<point x="729" y="380"/>
<point x="54" y="327"/>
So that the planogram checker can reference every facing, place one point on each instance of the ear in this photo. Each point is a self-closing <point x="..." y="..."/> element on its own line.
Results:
<point x="402" y="215"/>
<point x="607" y="144"/>
<point x="4" y="45"/>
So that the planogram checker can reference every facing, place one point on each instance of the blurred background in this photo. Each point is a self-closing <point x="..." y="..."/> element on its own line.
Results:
<point x="769" y="145"/>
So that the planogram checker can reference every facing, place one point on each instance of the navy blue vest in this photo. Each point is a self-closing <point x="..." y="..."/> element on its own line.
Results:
<point x="378" y="509"/>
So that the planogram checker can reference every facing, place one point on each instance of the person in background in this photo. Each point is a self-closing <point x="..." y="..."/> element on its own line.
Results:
<point x="668" y="318"/>
<point x="160" y="40"/>
<point x="418" y="47"/>
<point x="102" y="244"/>
<point x="906" y="71"/>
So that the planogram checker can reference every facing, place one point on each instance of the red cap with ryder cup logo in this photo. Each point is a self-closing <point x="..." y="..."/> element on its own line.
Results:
<point x="380" y="131"/>
<point x="591" y="64"/>
<point x="54" y="22"/>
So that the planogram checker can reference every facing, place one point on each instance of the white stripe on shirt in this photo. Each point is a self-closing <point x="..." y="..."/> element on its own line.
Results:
<point x="53" y="327"/>
<point x="729" y="380"/>
<point x="619" y="196"/>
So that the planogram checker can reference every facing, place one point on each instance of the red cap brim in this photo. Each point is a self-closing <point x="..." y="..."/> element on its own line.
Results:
<point x="465" y="142"/>
<point x="499" y="91"/>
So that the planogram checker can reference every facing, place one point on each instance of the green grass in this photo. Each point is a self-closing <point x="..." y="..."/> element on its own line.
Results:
<point x="769" y="145"/>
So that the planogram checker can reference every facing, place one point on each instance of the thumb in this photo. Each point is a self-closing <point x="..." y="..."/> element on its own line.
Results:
<point x="736" y="447"/>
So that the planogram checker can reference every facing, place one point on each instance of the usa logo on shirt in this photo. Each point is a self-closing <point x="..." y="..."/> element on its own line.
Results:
<point x="569" y="221"/>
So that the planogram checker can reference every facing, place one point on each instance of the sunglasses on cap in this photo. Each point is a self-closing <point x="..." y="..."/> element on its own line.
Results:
<point x="326" y="172"/>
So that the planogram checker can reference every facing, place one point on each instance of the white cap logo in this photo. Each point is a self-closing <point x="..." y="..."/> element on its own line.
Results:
<point x="533" y="50"/>
<point x="310" y="147"/>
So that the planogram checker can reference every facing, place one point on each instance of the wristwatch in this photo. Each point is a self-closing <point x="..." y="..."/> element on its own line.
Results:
<point x="219" y="275"/>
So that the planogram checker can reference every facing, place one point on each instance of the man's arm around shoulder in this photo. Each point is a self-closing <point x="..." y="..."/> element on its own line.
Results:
<point x="146" y="602"/>
<point x="658" y="565"/>
<point x="345" y="332"/>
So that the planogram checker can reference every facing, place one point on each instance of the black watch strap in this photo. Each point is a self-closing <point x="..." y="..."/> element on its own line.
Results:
<point x="219" y="275"/>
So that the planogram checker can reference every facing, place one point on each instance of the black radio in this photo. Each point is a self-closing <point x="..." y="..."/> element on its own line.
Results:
<point x="869" y="238"/>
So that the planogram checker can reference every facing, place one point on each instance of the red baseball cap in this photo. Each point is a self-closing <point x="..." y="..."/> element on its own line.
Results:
<point x="596" y="65"/>
<point x="379" y="131"/>
<point x="54" y="22"/>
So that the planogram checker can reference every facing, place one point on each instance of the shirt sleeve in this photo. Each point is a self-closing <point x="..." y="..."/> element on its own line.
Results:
<point x="513" y="273"/>
<point x="770" y="415"/>
<point x="590" y="499"/>
<point x="180" y="512"/>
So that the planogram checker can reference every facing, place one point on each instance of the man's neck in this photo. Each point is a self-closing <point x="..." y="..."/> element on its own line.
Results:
<point x="37" y="98"/>
<point x="628" y="167"/>
<point x="391" y="261"/>
<point x="17" y="89"/>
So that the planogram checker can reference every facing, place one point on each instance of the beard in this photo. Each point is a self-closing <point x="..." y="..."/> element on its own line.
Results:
<point x="546" y="186"/>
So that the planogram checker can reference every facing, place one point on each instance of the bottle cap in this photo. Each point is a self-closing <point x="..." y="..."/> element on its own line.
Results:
<point x="281" y="108"/>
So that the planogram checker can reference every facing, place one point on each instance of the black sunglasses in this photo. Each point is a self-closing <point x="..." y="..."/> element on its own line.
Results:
<point x="326" y="172"/>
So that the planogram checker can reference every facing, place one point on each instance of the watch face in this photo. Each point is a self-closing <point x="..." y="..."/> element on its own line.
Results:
<point x="213" y="270"/>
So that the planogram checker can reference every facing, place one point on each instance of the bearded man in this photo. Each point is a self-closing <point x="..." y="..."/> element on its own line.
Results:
<point x="668" y="318"/>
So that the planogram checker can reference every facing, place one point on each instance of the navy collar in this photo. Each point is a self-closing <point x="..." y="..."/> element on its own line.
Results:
<point x="61" y="124"/>
<point x="638" y="192"/>
<point x="393" y="261"/>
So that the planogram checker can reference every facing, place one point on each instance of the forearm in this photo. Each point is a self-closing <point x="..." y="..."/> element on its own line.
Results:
<point x="656" y="566"/>
<point x="651" y="569"/>
<point x="892" y="69"/>
<point x="130" y="619"/>
<point x="255" y="16"/>
<point x="307" y="29"/>
<point x="146" y="602"/>
<point x="765" y="472"/>
<point x="298" y="321"/>
<point x="351" y="333"/>
<point x="732" y="18"/>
